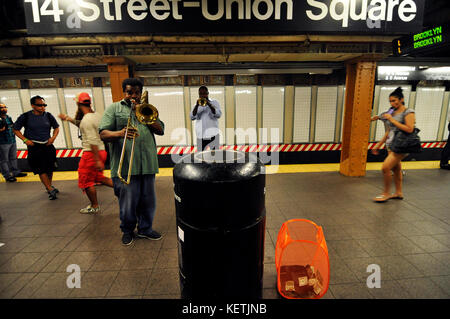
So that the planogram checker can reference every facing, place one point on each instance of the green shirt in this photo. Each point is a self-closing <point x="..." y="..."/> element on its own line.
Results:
<point x="145" y="159"/>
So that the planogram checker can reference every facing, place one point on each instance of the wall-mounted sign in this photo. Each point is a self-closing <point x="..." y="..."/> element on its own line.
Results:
<point x="223" y="16"/>
<point x="430" y="39"/>
<point x="413" y="73"/>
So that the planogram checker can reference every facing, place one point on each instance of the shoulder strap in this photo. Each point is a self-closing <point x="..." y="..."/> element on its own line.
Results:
<point x="26" y="115"/>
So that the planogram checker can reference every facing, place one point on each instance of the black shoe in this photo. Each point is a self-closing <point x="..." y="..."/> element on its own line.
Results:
<point x="21" y="175"/>
<point x="52" y="195"/>
<point x="11" y="179"/>
<point x="127" y="239"/>
<point x="55" y="189"/>
<point x="152" y="235"/>
<point x="445" y="166"/>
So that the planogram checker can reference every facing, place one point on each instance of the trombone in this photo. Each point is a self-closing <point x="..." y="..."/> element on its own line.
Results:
<point x="146" y="114"/>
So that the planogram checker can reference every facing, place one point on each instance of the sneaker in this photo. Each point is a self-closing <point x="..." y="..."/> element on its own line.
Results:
<point x="52" y="195"/>
<point x="152" y="235"/>
<point x="90" y="210"/>
<point x="55" y="189"/>
<point x="127" y="239"/>
<point x="11" y="179"/>
<point x="445" y="166"/>
<point x="21" y="175"/>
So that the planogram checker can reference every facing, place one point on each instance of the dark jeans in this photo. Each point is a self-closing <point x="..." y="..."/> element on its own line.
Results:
<point x="445" y="155"/>
<point x="137" y="203"/>
<point x="8" y="160"/>
<point x="213" y="143"/>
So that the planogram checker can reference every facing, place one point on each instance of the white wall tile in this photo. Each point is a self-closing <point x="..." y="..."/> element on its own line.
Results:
<point x="428" y="111"/>
<point x="246" y="116"/>
<point x="273" y="115"/>
<point x="302" y="114"/>
<point x="326" y="114"/>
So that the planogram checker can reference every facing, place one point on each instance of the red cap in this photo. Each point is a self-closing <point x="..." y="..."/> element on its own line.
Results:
<point x="83" y="98"/>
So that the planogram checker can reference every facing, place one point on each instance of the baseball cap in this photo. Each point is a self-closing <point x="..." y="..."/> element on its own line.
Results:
<point x="83" y="98"/>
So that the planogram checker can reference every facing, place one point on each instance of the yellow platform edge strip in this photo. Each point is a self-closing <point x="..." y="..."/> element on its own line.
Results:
<point x="270" y="169"/>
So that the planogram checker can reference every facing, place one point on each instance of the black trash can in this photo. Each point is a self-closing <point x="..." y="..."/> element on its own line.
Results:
<point x="221" y="217"/>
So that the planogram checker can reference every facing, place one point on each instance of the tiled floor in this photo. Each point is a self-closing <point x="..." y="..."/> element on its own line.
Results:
<point x="409" y="239"/>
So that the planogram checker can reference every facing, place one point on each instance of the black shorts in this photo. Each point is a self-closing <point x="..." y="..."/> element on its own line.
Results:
<point x="42" y="158"/>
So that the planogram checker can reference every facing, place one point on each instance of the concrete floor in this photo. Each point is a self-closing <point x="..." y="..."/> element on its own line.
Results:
<point x="409" y="239"/>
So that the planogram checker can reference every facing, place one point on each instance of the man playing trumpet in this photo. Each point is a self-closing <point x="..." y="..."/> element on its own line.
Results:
<point x="137" y="200"/>
<point x="206" y="114"/>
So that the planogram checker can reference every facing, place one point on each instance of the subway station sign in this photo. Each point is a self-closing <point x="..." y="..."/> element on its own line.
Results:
<point x="429" y="39"/>
<point x="223" y="16"/>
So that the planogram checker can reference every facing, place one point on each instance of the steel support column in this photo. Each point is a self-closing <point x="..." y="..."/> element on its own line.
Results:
<point x="358" y="106"/>
<point x="119" y="69"/>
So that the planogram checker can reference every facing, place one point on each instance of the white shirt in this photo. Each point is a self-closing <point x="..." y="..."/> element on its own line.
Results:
<point x="89" y="131"/>
<point x="207" y="123"/>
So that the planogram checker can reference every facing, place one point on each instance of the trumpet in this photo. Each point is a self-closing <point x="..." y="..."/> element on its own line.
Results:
<point x="146" y="114"/>
<point x="202" y="101"/>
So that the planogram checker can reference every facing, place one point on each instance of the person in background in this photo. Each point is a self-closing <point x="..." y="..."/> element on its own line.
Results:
<point x="401" y="119"/>
<point x="8" y="148"/>
<point x="445" y="155"/>
<point x="137" y="200"/>
<point x="206" y="121"/>
<point x="92" y="163"/>
<point x="41" y="151"/>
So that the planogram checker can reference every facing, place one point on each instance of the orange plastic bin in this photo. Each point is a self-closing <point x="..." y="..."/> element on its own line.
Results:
<point x="301" y="259"/>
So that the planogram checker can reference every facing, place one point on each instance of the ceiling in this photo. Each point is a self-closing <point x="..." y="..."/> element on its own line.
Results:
<point x="24" y="53"/>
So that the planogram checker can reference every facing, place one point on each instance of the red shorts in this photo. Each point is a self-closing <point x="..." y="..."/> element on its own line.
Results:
<point x="88" y="175"/>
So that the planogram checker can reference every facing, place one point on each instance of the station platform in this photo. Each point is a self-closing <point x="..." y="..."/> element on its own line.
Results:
<point x="409" y="239"/>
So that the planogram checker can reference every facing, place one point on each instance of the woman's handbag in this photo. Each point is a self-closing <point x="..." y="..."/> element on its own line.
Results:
<point x="406" y="142"/>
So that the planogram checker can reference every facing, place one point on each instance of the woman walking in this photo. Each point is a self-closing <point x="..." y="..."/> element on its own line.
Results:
<point x="403" y="119"/>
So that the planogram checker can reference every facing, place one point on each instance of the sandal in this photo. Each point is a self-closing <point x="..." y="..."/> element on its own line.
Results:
<point x="396" y="196"/>
<point x="381" y="198"/>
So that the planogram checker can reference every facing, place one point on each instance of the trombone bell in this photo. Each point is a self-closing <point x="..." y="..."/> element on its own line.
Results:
<point x="146" y="113"/>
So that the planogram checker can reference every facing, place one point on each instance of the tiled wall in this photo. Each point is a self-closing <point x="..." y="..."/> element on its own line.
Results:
<point x="315" y="116"/>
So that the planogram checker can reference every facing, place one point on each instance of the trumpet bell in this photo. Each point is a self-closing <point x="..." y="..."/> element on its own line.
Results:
<point x="201" y="102"/>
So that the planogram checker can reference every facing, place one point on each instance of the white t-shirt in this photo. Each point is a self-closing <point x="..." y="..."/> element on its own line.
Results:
<point x="89" y="131"/>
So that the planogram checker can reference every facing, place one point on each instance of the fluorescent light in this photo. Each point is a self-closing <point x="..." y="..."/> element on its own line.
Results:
<point x="444" y="69"/>
<point x="393" y="69"/>
<point x="167" y="93"/>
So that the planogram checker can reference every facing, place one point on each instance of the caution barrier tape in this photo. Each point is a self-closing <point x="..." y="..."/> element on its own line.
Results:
<point x="168" y="150"/>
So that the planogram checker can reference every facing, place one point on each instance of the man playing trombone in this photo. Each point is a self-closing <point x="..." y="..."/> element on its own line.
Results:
<point x="137" y="199"/>
<point x="206" y="112"/>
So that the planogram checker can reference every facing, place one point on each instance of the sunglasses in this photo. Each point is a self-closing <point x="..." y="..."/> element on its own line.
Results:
<point x="40" y="104"/>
